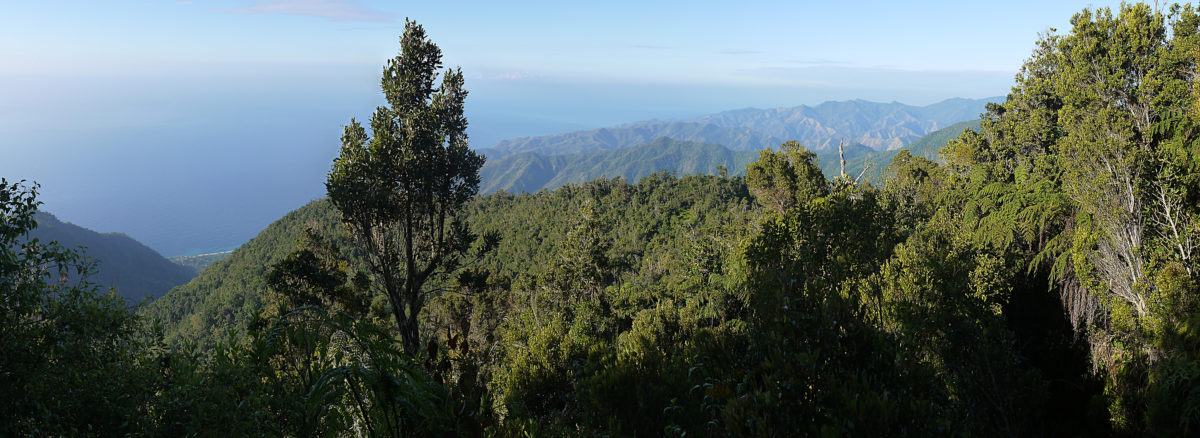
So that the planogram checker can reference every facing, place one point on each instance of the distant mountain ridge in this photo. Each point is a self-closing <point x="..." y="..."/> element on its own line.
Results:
<point x="132" y="269"/>
<point x="880" y="126"/>
<point x="531" y="171"/>
<point x="628" y="135"/>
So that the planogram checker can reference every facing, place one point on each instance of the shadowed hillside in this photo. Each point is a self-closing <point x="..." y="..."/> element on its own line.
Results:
<point x="134" y="270"/>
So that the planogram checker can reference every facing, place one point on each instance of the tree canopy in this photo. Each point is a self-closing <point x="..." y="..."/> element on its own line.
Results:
<point x="400" y="189"/>
<point x="1040" y="280"/>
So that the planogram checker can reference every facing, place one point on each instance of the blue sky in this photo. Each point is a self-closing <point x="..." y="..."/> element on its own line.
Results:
<point x="789" y="43"/>
<point x="517" y="54"/>
<point x="193" y="124"/>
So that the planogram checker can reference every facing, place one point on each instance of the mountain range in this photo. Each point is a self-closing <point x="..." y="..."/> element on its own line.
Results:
<point x="225" y="295"/>
<point x="879" y="126"/>
<point x="532" y="171"/>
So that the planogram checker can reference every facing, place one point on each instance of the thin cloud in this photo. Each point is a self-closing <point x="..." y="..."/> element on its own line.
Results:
<point x="821" y="61"/>
<point x="880" y="77"/>
<point x="514" y="76"/>
<point x="740" y="52"/>
<point x="505" y="76"/>
<point x="334" y="10"/>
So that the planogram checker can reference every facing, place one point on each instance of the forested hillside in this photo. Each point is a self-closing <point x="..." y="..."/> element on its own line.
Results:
<point x="872" y="166"/>
<point x="134" y="271"/>
<point x="229" y="292"/>
<point x="1042" y="278"/>
<point x="530" y="225"/>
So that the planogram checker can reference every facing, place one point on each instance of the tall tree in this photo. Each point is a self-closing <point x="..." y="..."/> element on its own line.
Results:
<point x="401" y="188"/>
<point x="1088" y="169"/>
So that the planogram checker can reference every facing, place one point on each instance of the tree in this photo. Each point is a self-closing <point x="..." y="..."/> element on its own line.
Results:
<point x="401" y="189"/>
<point x="72" y="356"/>
<point x="1087" y="171"/>
<point x="781" y="180"/>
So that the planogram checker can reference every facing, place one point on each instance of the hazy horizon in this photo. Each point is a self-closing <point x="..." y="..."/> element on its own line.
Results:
<point x="185" y="212"/>
<point x="191" y="126"/>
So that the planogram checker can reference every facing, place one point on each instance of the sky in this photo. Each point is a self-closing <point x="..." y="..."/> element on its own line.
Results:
<point x="191" y="125"/>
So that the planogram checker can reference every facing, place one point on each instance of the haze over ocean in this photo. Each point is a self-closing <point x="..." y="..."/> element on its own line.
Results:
<point x="191" y="126"/>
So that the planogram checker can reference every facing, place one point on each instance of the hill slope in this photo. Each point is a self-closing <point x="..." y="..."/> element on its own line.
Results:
<point x="927" y="146"/>
<point x="229" y="291"/>
<point x="532" y="226"/>
<point x="134" y="270"/>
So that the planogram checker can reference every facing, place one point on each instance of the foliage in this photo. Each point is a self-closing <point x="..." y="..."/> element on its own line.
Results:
<point x="72" y="360"/>
<point x="820" y="365"/>
<point x="1081" y="172"/>
<point x="1040" y="281"/>
<point x="228" y="294"/>
<point x="783" y="180"/>
<point x="400" y="190"/>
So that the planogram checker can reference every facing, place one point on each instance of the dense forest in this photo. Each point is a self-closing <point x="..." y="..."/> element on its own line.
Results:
<point x="1038" y="278"/>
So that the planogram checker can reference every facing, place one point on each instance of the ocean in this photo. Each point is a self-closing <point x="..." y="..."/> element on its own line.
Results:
<point x="195" y="164"/>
